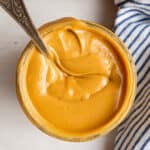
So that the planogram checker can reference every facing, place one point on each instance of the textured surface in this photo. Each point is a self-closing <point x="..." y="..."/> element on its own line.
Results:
<point x="16" y="132"/>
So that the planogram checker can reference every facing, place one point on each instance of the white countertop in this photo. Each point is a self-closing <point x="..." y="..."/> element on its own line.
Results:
<point x="16" y="132"/>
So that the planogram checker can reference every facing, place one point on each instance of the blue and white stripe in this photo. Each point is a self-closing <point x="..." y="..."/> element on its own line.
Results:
<point x="133" y="27"/>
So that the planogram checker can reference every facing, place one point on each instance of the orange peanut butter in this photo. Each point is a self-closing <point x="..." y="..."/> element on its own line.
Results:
<point x="69" y="105"/>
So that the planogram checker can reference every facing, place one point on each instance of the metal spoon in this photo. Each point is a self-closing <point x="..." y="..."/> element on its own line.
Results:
<point x="17" y="10"/>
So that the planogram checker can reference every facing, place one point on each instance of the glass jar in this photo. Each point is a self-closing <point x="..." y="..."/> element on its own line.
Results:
<point x="109" y="126"/>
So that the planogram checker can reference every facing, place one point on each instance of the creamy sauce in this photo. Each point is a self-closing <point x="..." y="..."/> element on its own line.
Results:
<point x="76" y="104"/>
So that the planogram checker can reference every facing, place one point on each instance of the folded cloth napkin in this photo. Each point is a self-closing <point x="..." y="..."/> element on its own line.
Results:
<point x="133" y="27"/>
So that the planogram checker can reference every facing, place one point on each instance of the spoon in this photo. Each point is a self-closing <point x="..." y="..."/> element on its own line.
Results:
<point x="17" y="10"/>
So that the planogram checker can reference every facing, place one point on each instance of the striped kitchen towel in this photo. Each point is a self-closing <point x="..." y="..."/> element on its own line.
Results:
<point x="133" y="27"/>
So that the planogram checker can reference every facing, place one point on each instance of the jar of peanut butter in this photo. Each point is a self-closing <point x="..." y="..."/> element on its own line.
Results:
<point x="77" y="108"/>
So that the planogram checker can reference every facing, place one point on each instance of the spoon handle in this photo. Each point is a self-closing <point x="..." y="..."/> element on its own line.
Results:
<point x="17" y="10"/>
